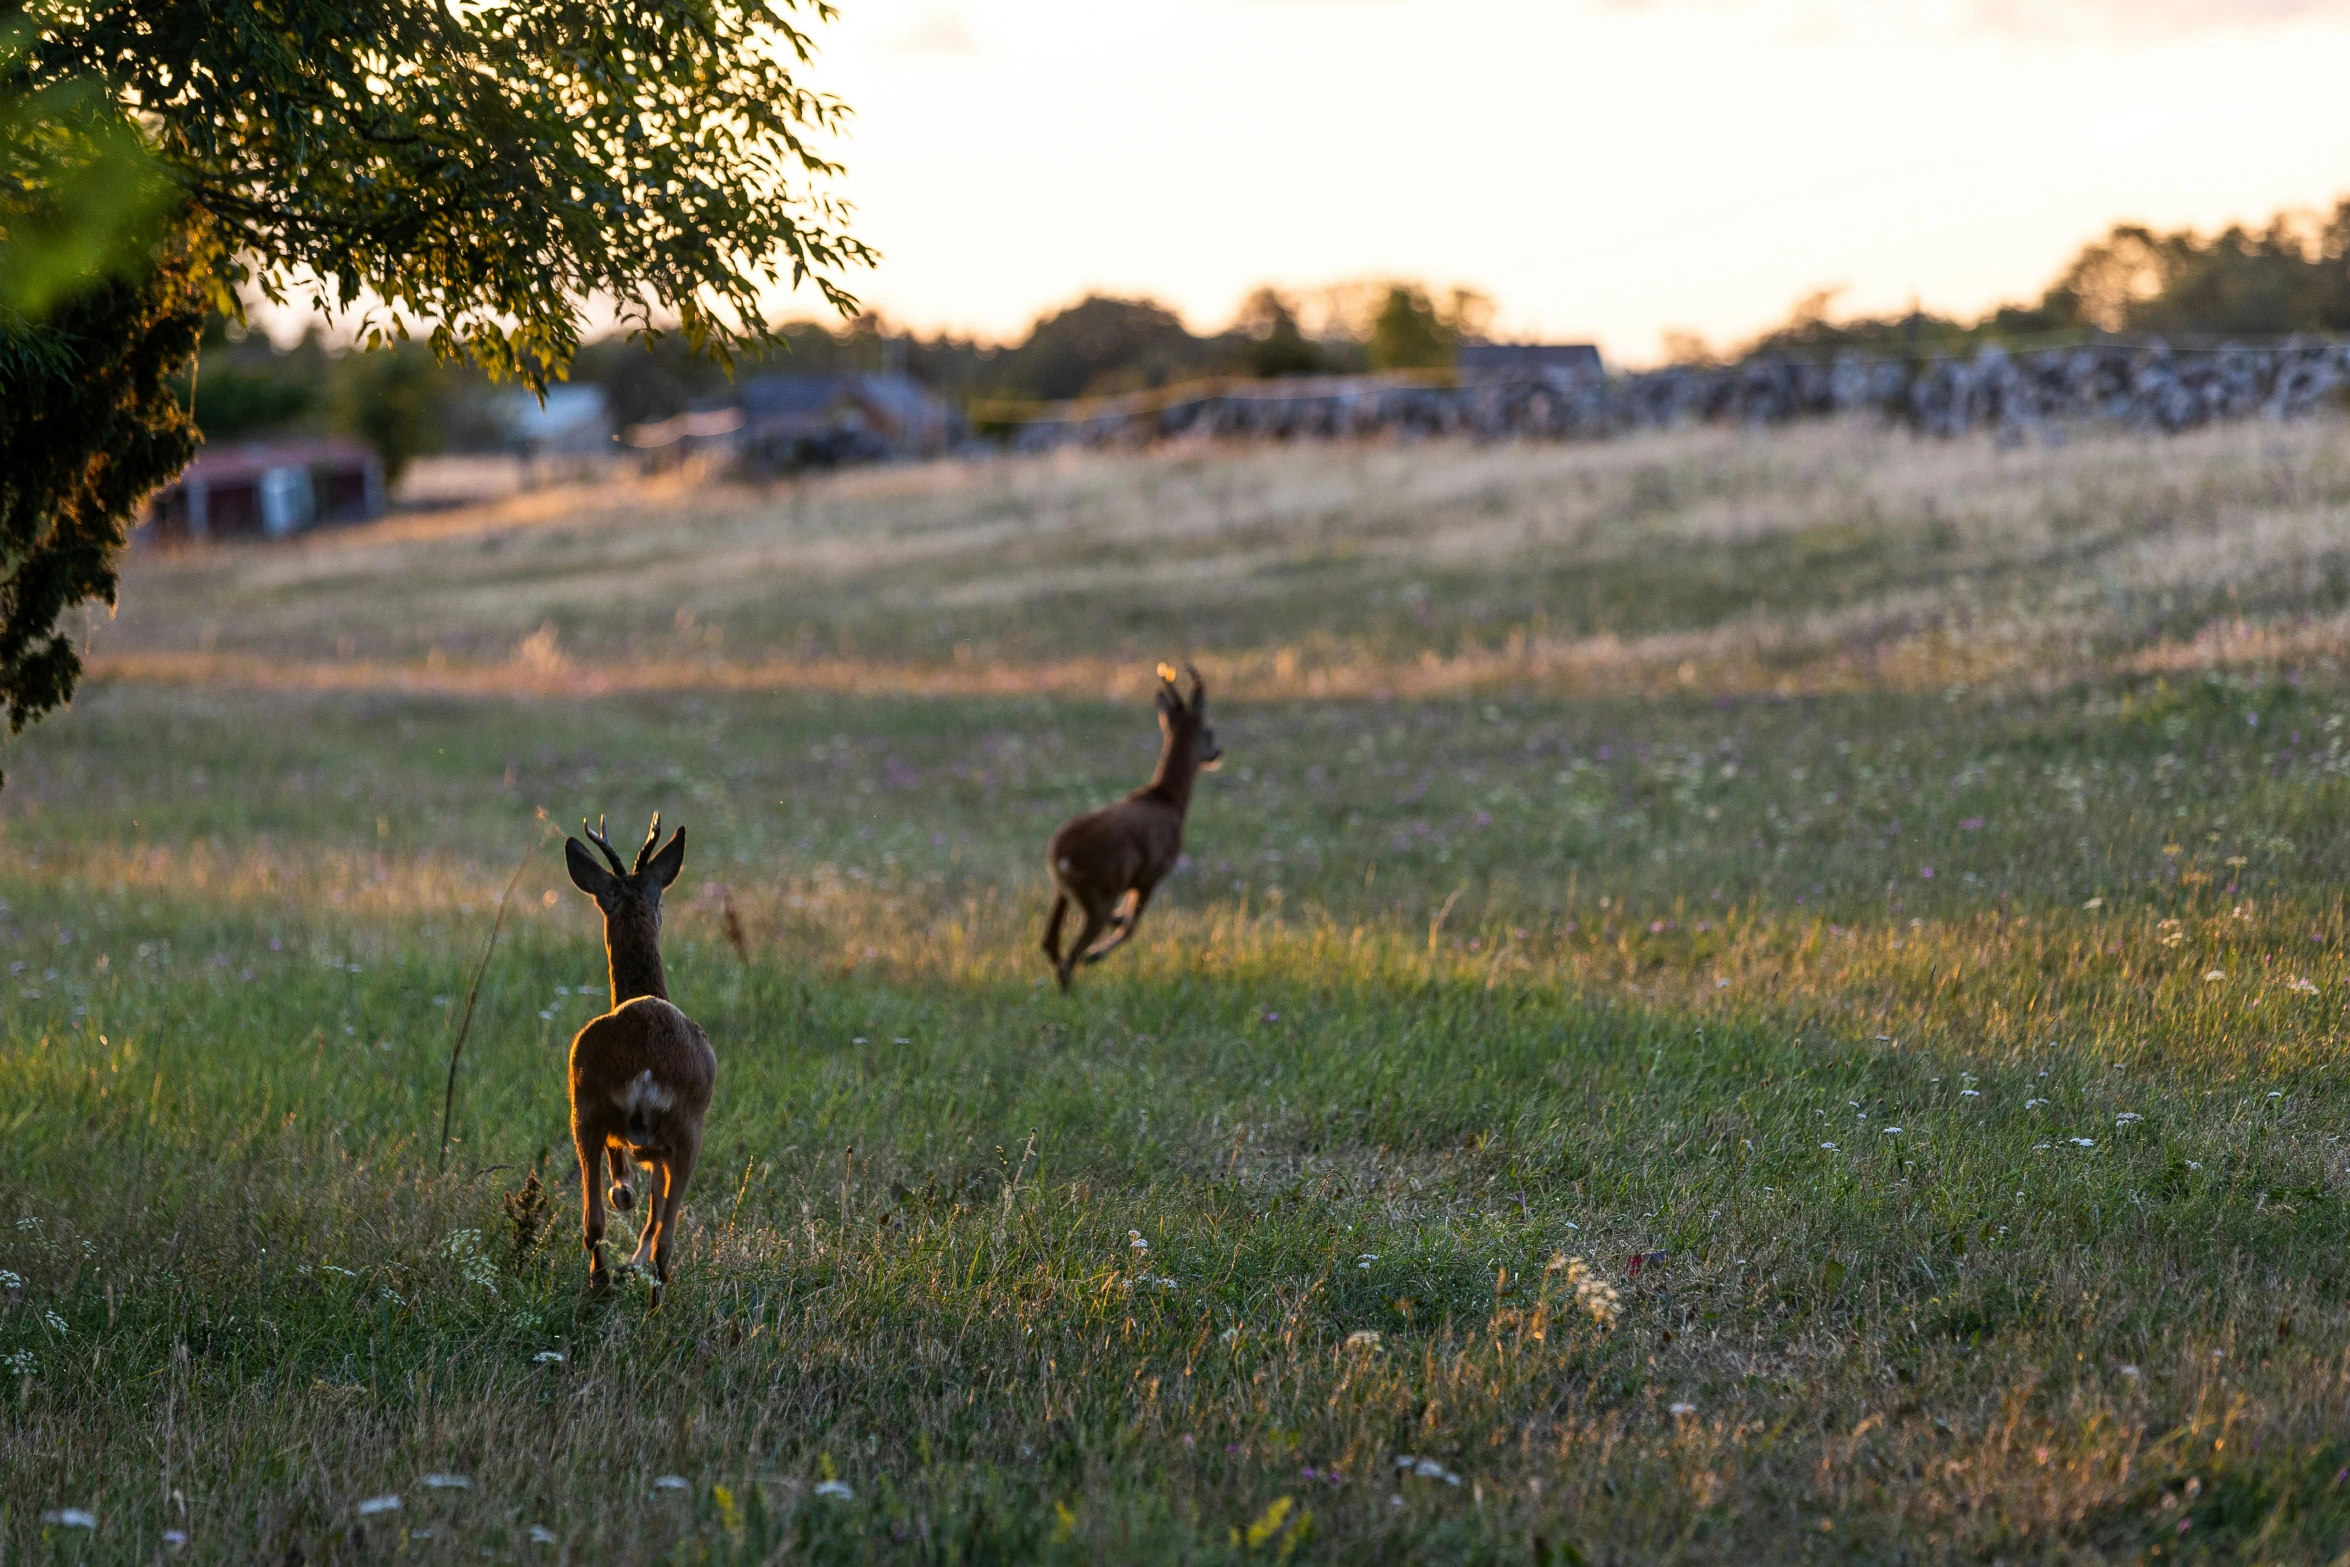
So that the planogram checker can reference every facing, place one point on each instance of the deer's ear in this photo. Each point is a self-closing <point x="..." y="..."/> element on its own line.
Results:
<point x="586" y="874"/>
<point x="665" y="865"/>
<point x="1170" y="701"/>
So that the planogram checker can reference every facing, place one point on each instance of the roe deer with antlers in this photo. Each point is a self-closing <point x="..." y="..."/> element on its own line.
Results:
<point x="641" y="1074"/>
<point x="1108" y="861"/>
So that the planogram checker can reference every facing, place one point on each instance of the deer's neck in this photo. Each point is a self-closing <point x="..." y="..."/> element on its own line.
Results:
<point x="1178" y="766"/>
<point x="635" y="958"/>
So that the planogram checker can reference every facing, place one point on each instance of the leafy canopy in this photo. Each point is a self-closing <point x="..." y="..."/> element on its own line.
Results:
<point x="486" y="166"/>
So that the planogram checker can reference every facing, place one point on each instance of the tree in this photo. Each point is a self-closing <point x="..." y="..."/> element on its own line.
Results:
<point x="477" y="170"/>
<point x="1412" y="332"/>
<point x="1101" y="344"/>
<point x="1276" y="345"/>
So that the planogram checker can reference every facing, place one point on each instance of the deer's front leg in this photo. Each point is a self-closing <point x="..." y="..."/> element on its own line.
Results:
<point x="1123" y="925"/>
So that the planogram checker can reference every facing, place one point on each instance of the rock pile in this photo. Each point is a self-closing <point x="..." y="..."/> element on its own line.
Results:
<point x="2148" y="386"/>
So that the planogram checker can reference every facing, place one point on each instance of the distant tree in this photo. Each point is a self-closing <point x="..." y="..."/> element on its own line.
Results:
<point x="481" y="168"/>
<point x="1100" y="344"/>
<point x="1274" y="343"/>
<point x="1411" y="331"/>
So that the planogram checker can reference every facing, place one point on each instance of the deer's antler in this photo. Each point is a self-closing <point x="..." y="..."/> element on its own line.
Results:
<point x="644" y="856"/>
<point x="595" y="835"/>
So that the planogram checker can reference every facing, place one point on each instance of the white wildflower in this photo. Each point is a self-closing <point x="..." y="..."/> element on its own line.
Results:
<point x="71" y="1518"/>
<point x="448" y="1482"/>
<point x="669" y="1483"/>
<point x="548" y="1357"/>
<point x="175" y="1538"/>
<point x="1231" y="1335"/>
<point x="1135" y="1242"/>
<point x="1831" y="1147"/>
<point x="2084" y="1142"/>
<point x="2034" y="1104"/>
<point x="1970" y="1093"/>
<point x="2212" y="976"/>
<point x="11" y="1281"/>
<point x="838" y="1490"/>
<point x="1365" y="1260"/>
<point x="379" y="1504"/>
<point x="2128" y="1118"/>
<point x="540" y="1534"/>
<point x="56" y="1322"/>
<point x="1681" y="1409"/>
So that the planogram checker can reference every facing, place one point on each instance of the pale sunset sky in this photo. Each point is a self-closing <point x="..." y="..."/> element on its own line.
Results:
<point x="1603" y="169"/>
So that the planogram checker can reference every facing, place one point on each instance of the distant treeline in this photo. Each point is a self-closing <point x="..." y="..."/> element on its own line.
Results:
<point x="2293" y="275"/>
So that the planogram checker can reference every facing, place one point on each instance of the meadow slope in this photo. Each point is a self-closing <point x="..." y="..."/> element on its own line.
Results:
<point x="1736" y="998"/>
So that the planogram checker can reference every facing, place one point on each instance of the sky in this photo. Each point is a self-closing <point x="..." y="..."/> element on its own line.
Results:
<point x="1605" y="170"/>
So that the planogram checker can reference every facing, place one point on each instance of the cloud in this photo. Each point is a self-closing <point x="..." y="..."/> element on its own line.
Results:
<point x="2143" y="17"/>
<point x="936" y="31"/>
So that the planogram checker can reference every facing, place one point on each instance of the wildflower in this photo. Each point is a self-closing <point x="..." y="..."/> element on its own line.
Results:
<point x="2034" y="1104"/>
<point x="669" y="1483"/>
<point x="1363" y="1338"/>
<point x="448" y="1482"/>
<point x="2084" y="1142"/>
<point x="1425" y="1469"/>
<point x="2094" y="903"/>
<point x="1366" y="1259"/>
<point x="10" y="1281"/>
<point x="22" y="1363"/>
<point x="1595" y="1295"/>
<point x="1831" y="1147"/>
<point x="1135" y="1242"/>
<point x="2276" y="1093"/>
<point x="540" y="1534"/>
<point x="2131" y="1372"/>
<point x="379" y="1504"/>
<point x="1230" y="1335"/>
<point x="548" y="1357"/>
<point x="2128" y="1118"/>
<point x="2301" y="986"/>
<point x="1888" y="1131"/>
<point x="1970" y="1093"/>
<point x="838" y="1490"/>
<point x="175" y="1538"/>
<point x="2213" y="976"/>
<point x="71" y="1518"/>
<point x="1681" y="1409"/>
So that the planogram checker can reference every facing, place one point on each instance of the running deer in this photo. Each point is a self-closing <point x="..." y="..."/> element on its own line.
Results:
<point x="641" y="1074"/>
<point x="1108" y="861"/>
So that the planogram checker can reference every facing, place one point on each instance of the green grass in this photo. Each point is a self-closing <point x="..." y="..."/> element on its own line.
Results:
<point x="1460" y="982"/>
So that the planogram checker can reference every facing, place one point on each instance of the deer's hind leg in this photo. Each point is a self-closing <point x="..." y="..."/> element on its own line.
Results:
<point x="590" y="1143"/>
<point x="676" y="1170"/>
<point x="1052" y="928"/>
<point x="1096" y="921"/>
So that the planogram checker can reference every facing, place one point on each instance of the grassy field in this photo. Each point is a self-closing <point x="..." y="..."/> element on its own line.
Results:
<point x="1736" y="998"/>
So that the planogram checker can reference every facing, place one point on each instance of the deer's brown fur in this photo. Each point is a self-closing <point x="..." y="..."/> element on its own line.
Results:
<point x="1107" y="862"/>
<point x="641" y="1075"/>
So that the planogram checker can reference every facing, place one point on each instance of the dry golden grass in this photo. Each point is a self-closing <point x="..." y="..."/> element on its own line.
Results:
<point x="1614" y="844"/>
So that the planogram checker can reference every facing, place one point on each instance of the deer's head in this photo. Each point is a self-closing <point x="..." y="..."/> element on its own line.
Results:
<point x="1184" y="719"/>
<point x="629" y="895"/>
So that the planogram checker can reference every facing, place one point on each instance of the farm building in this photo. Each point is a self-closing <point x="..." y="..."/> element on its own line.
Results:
<point x="804" y="420"/>
<point x="1572" y="360"/>
<point x="269" y="490"/>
